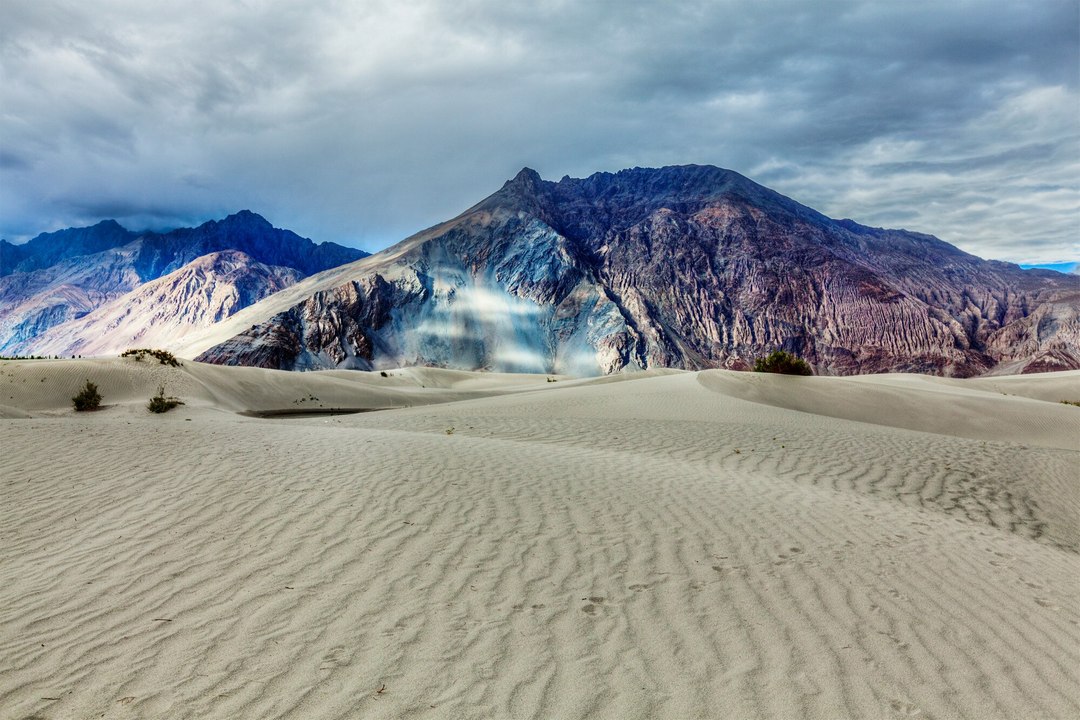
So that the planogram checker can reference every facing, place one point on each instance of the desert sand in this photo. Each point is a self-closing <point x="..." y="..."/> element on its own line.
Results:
<point x="659" y="545"/>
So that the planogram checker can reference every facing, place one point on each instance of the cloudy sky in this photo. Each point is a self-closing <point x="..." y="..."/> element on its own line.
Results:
<point x="362" y="122"/>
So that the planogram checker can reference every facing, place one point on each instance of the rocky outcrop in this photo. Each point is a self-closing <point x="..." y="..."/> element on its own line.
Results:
<point x="688" y="267"/>
<point x="1048" y="339"/>
<point x="33" y="302"/>
<point x="58" y="278"/>
<point x="160" y="312"/>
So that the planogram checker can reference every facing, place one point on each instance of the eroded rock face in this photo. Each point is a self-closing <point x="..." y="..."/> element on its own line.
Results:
<point x="58" y="278"/>
<point x="689" y="267"/>
<point x="1046" y="340"/>
<point x="158" y="313"/>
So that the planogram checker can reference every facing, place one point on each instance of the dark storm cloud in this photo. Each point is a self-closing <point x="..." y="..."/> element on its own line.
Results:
<point x="1033" y="155"/>
<point x="363" y="122"/>
<point x="11" y="161"/>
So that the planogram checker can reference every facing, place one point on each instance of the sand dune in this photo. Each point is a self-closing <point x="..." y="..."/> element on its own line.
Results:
<point x="669" y="545"/>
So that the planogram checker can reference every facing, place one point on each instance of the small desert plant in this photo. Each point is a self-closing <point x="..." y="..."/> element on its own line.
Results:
<point x="88" y="398"/>
<point x="783" y="362"/>
<point x="1070" y="402"/>
<point x="163" y="356"/>
<point x="161" y="404"/>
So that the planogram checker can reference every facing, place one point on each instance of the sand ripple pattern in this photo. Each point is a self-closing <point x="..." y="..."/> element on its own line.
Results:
<point x="649" y="549"/>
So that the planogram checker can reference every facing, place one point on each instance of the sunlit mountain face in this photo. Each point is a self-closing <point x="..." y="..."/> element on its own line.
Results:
<point x="96" y="290"/>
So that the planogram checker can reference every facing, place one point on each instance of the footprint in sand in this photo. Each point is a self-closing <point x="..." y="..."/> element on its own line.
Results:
<point x="593" y="605"/>
<point x="900" y="644"/>
<point x="336" y="657"/>
<point x="905" y="709"/>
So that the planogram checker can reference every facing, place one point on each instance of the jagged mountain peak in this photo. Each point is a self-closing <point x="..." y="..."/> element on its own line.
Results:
<point x="243" y="223"/>
<point x="108" y="225"/>
<point x="579" y="207"/>
<point x="526" y="177"/>
<point x="49" y="248"/>
<point x="525" y="192"/>
<point x="684" y="181"/>
<point x="244" y="219"/>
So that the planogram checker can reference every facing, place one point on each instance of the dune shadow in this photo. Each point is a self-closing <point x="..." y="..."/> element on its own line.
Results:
<point x="308" y="412"/>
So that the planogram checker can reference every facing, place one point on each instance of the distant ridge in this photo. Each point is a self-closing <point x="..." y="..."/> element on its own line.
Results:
<point x="162" y="311"/>
<point x="50" y="248"/>
<point x="62" y="276"/>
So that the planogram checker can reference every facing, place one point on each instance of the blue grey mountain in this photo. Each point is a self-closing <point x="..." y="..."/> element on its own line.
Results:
<point x="160" y="312"/>
<point x="71" y="291"/>
<point x="687" y="267"/>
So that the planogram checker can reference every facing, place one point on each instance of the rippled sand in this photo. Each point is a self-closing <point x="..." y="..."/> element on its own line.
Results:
<point x="671" y="545"/>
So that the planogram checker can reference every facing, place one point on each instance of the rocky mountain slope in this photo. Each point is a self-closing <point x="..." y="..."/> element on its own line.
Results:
<point x="160" y="312"/>
<point x="60" y="277"/>
<point x="689" y="267"/>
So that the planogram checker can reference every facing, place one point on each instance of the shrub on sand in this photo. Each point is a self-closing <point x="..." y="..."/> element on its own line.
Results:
<point x="88" y="398"/>
<point x="783" y="362"/>
<point x="163" y="356"/>
<point x="161" y="404"/>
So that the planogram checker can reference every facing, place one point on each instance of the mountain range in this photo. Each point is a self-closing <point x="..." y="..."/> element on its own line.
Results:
<point x="687" y="266"/>
<point x="102" y="289"/>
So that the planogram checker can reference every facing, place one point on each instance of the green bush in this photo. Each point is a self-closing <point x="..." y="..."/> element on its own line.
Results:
<point x="161" y="404"/>
<point x="88" y="398"/>
<point x="163" y="356"/>
<point x="783" y="362"/>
